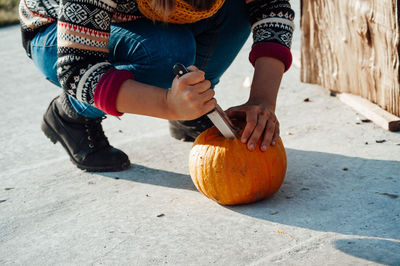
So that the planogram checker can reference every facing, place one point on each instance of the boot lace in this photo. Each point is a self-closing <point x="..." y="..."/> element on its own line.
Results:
<point x="95" y="134"/>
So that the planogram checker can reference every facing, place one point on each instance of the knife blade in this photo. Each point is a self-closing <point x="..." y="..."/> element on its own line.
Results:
<point x="217" y="115"/>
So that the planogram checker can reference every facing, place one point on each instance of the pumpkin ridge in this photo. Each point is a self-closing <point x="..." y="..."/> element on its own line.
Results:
<point x="219" y="190"/>
<point x="203" y="171"/>
<point x="232" y="175"/>
<point x="271" y="168"/>
<point x="247" y="178"/>
<point x="257" y="183"/>
<point x="211" y="192"/>
<point x="281" y="171"/>
<point x="196" y="171"/>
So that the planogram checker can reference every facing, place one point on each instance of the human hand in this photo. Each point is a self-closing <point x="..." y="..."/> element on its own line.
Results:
<point x="261" y="124"/>
<point x="190" y="96"/>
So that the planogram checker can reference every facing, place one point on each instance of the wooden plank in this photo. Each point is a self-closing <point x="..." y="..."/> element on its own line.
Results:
<point x="352" y="46"/>
<point x="371" y="111"/>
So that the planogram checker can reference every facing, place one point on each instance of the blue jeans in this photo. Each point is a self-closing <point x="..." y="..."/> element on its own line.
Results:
<point x="150" y="49"/>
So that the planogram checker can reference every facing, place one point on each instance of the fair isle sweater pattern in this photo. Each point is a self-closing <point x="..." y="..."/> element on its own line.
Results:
<point x="83" y="31"/>
<point x="272" y="21"/>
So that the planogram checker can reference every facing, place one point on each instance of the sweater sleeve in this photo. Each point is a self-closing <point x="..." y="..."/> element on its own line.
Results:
<point x="83" y="32"/>
<point x="272" y="27"/>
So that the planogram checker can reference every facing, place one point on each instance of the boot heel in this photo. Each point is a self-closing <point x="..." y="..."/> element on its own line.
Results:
<point x="178" y="133"/>
<point x="49" y="132"/>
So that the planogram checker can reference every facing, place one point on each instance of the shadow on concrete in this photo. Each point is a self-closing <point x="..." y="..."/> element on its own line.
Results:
<point x="143" y="174"/>
<point x="322" y="191"/>
<point x="376" y="250"/>
<point x="335" y="193"/>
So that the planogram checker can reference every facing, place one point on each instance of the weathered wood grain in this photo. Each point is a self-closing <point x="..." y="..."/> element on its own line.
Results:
<point x="353" y="46"/>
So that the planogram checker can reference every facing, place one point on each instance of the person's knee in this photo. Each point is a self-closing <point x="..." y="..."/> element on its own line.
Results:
<point x="150" y="51"/>
<point x="176" y="47"/>
<point x="44" y="52"/>
<point x="179" y="46"/>
<point x="158" y="47"/>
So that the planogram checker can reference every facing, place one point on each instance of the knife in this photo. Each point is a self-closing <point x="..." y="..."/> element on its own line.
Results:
<point x="217" y="115"/>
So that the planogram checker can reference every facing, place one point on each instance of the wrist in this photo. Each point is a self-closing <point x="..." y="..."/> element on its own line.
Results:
<point x="170" y="111"/>
<point x="264" y="102"/>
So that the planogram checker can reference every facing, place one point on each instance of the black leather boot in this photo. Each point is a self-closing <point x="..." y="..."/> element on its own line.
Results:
<point x="189" y="130"/>
<point x="83" y="138"/>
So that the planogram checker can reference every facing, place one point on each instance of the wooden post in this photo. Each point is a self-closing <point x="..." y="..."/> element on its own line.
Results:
<point x="352" y="46"/>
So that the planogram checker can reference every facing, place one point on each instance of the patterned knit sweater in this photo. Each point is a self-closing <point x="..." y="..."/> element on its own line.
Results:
<point x="83" y="31"/>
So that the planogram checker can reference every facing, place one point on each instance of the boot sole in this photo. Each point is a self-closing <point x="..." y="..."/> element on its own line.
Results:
<point x="54" y="138"/>
<point x="178" y="134"/>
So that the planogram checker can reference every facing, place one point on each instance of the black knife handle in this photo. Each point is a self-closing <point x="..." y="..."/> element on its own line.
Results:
<point x="180" y="70"/>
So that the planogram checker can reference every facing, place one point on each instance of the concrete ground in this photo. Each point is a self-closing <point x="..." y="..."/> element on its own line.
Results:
<point x="51" y="213"/>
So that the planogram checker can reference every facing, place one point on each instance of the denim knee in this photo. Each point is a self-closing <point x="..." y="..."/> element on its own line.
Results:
<point x="181" y="47"/>
<point x="149" y="50"/>
<point x="44" y="52"/>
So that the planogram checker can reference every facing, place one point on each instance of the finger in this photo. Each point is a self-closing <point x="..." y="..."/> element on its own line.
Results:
<point x="251" y="122"/>
<point x="207" y="95"/>
<point x="192" y="78"/>
<point x="208" y="106"/>
<point x="275" y="138"/>
<point x="268" y="134"/>
<point x="258" y="131"/>
<point x="192" y="68"/>
<point x="175" y="82"/>
<point x="202" y="86"/>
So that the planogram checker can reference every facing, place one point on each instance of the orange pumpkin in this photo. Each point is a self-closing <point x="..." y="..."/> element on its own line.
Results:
<point x="225" y="171"/>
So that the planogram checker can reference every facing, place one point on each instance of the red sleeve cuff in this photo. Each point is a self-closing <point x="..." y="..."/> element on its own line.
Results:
<point x="106" y="92"/>
<point x="270" y="49"/>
